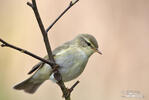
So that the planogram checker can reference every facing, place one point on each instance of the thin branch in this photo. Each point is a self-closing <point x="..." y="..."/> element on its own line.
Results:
<point x="71" y="89"/>
<point x="66" y="91"/>
<point x="44" y="33"/>
<point x="70" y="5"/>
<point x="29" y="4"/>
<point x="5" y="44"/>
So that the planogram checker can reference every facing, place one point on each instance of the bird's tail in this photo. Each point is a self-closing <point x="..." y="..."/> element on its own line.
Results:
<point x="29" y="85"/>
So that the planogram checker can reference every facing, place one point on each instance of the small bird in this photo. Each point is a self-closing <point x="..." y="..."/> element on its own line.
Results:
<point x="71" y="57"/>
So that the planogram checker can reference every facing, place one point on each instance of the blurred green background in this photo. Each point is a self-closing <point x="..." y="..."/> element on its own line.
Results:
<point x="120" y="26"/>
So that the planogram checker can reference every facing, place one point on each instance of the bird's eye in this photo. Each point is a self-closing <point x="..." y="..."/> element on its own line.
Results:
<point x="88" y="44"/>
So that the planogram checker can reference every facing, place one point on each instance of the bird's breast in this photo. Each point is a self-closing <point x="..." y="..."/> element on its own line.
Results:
<point x="72" y="63"/>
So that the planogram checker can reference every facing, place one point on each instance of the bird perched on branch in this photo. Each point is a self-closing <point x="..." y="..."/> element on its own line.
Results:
<point x="71" y="57"/>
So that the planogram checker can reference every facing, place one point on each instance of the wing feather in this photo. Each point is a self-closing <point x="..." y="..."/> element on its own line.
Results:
<point x="58" y="49"/>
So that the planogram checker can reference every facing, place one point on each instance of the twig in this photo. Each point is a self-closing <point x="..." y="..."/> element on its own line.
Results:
<point x="5" y="44"/>
<point x="44" y="33"/>
<point x="71" y="89"/>
<point x="66" y="91"/>
<point x="70" y="5"/>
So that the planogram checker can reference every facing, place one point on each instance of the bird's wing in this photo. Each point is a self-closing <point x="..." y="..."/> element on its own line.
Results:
<point x="35" y="67"/>
<point x="58" y="49"/>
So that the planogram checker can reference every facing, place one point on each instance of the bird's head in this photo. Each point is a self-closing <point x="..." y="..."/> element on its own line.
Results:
<point x="88" y="43"/>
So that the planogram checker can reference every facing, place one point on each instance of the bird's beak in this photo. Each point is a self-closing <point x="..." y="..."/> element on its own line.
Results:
<point x="96" y="50"/>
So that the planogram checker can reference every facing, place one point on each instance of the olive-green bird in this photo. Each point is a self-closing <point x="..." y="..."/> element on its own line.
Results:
<point x="72" y="58"/>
